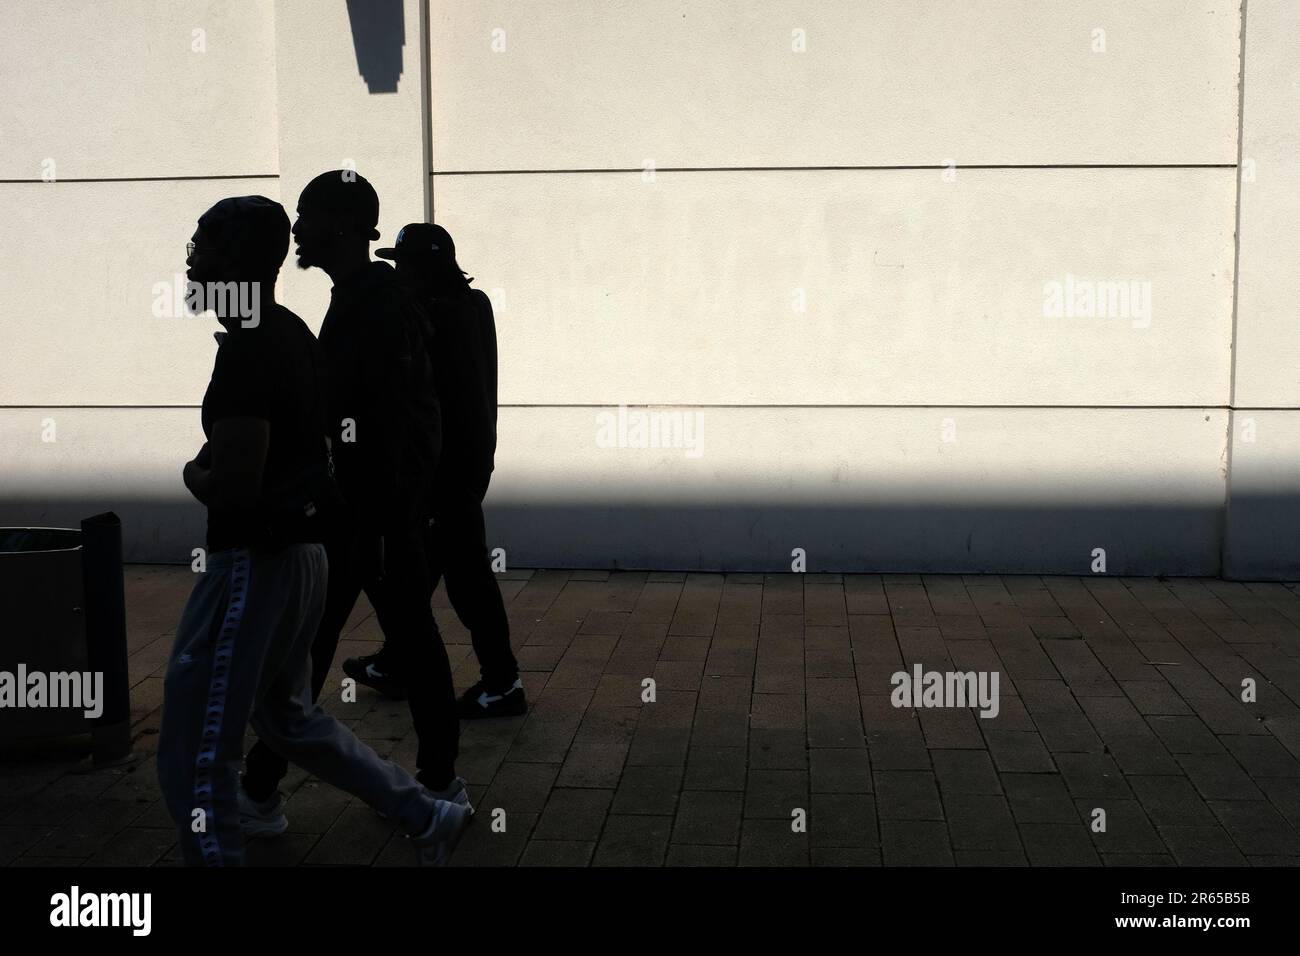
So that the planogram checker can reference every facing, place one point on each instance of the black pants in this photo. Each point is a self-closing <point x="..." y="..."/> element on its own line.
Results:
<point x="458" y="554"/>
<point x="401" y="603"/>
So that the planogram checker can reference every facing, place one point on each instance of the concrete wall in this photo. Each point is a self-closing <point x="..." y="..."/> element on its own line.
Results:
<point x="1263" y="515"/>
<point x="817" y="238"/>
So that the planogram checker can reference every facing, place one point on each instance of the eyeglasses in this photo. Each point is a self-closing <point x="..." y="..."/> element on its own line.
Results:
<point x="189" y="249"/>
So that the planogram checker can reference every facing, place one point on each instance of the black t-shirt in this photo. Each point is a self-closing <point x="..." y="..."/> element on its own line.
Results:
<point x="274" y="371"/>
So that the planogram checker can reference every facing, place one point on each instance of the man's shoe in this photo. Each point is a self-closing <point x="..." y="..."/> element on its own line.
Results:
<point x="454" y="792"/>
<point x="370" y="670"/>
<point x="435" y="845"/>
<point x="479" y="702"/>
<point x="261" y="819"/>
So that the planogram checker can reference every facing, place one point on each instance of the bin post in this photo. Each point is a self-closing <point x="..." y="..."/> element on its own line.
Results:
<point x="101" y="567"/>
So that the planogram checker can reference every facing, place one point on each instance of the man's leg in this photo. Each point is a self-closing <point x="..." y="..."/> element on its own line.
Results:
<point x="473" y="591"/>
<point x="288" y="720"/>
<point x="264" y="767"/>
<point x="401" y="602"/>
<point x="237" y="608"/>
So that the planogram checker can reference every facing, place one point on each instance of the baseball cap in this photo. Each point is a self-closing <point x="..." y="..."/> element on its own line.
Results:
<point x="421" y="242"/>
<point x="347" y="195"/>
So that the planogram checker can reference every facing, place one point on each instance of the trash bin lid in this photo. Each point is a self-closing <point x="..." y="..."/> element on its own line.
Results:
<point x="31" y="540"/>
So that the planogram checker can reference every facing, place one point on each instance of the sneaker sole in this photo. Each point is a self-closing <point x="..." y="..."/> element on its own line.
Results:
<point x="478" y="713"/>
<point x="448" y="846"/>
<point x="389" y="691"/>
<point x="263" y="831"/>
<point x="467" y="805"/>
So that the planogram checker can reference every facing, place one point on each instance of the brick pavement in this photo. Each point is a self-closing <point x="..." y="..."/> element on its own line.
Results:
<point x="772" y="694"/>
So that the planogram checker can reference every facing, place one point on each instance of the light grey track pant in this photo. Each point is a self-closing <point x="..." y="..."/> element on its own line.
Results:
<point x="243" y="654"/>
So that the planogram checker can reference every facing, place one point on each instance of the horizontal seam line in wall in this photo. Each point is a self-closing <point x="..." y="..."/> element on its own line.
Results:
<point x="1240" y="408"/>
<point x="763" y="169"/>
<point x="140" y="179"/>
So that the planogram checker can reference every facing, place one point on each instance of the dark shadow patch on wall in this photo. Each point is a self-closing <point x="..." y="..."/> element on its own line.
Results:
<point x="378" y="35"/>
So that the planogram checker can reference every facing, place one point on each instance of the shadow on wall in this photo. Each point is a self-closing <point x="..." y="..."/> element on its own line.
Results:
<point x="1263" y="535"/>
<point x="378" y="35"/>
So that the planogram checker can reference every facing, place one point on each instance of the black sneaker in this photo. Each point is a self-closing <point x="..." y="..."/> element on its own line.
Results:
<point x="478" y="702"/>
<point x="369" y="670"/>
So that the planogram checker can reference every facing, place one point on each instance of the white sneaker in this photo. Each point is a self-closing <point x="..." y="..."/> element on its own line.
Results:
<point x="455" y="792"/>
<point x="434" y="846"/>
<point x="265" y="819"/>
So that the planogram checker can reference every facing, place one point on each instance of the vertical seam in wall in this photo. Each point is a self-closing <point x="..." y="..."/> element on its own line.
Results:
<point x="1236" y="280"/>
<point x="426" y="110"/>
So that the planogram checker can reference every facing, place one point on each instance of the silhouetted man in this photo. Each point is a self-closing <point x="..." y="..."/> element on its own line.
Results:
<point x="465" y="369"/>
<point x="242" y="648"/>
<point x="383" y="419"/>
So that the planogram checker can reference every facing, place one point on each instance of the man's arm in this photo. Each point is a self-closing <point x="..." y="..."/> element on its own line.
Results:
<point x="238" y="452"/>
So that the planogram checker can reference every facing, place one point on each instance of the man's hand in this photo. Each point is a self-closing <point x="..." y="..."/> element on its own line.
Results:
<point x="196" y="475"/>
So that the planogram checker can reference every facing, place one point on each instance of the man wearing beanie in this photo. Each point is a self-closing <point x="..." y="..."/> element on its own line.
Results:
<point x="243" y="647"/>
<point x="383" y="422"/>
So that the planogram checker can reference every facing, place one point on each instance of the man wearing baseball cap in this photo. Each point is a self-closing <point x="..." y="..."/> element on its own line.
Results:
<point x="465" y="366"/>
<point x="384" y="425"/>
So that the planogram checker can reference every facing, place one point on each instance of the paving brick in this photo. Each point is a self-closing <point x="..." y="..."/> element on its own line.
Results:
<point x="648" y="790"/>
<point x="775" y="793"/>
<point x="907" y="795"/>
<point x="1256" y="827"/>
<point x="482" y="845"/>
<point x="853" y="857"/>
<point x="708" y="818"/>
<point x="557" y="853"/>
<point x="1185" y="735"/>
<point x="777" y="712"/>
<point x="633" y="841"/>
<point x="716" y="768"/>
<point x="295" y="849"/>
<point x="1092" y="775"/>
<point x="17" y="840"/>
<point x="573" y="815"/>
<point x="1039" y="798"/>
<point x="845" y="770"/>
<point x="1053" y="844"/>
<point x="843" y="820"/>
<point x="965" y="771"/>
<point x="695" y="855"/>
<point x="1143" y="755"/>
<point x="1218" y="777"/>
<point x="1128" y="830"/>
<point x="772" y="843"/>
<point x="1069" y="733"/>
<point x="777" y="750"/>
<point x="521" y="786"/>
<point x="951" y="728"/>
<point x="659" y="747"/>
<point x="915" y="843"/>
<point x="1201" y="846"/>
<point x="1019" y="752"/>
<point x="1262" y="756"/>
<point x="355" y="839"/>
<point x="1171" y="801"/>
<point x="980" y="822"/>
<point x="135" y="846"/>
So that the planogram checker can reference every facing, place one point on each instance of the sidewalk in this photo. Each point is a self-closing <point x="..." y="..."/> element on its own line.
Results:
<point x="772" y="695"/>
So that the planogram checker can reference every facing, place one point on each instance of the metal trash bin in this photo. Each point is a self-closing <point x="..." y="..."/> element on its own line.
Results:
<point x="63" y="647"/>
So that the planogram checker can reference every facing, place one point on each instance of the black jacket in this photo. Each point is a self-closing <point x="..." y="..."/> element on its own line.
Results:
<point x="465" y="369"/>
